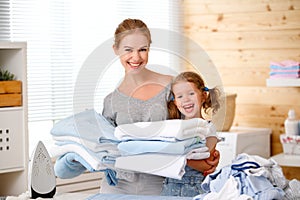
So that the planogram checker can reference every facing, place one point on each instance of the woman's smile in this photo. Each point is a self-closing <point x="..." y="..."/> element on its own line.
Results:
<point x="134" y="65"/>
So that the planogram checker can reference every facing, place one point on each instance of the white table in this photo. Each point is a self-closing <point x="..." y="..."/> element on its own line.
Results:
<point x="288" y="160"/>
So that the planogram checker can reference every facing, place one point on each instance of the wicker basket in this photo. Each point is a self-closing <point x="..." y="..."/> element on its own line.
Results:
<point x="223" y="119"/>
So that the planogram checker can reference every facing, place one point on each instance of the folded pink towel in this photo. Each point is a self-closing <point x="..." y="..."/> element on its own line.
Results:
<point x="285" y="63"/>
<point x="286" y="70"/>
<point x="285" y="76"/>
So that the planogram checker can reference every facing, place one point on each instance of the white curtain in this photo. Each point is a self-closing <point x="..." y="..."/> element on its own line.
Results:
<point x="60" y="36"/>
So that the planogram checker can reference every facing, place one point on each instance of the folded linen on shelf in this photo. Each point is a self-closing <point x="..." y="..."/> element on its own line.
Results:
<point x="167" y="130"/>
<point x="285" y="69"/>
<point x="294" y="73"/>
<point x="292" y="76"/>
<point x="285" y="63"/>
<point x="157" y="164"/>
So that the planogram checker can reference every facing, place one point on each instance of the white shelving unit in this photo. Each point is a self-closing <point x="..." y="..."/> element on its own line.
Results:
<point x="13" y="125"/>
<point x="283" y="82"/>
<point x="288" y="160"/>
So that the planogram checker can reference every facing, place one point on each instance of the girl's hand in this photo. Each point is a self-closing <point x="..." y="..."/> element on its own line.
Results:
<point x="213" y="162"/>
<point x="198" y="154"/>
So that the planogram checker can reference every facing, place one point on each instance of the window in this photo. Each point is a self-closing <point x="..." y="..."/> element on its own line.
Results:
<point x="60" y="35"/>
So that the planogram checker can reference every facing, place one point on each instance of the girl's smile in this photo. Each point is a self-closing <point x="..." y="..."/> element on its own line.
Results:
<point x="188" y="99"/>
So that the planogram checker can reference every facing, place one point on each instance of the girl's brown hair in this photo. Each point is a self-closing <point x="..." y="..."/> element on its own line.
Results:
<point x="129" y="26"/>
<point x="212" y="101"/>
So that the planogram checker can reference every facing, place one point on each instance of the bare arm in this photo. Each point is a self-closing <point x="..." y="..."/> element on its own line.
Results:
<point x="208" y="165"/>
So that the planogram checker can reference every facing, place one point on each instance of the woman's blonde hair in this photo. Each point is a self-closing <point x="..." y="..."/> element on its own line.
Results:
<point x="212" y="101"/>
<point x="129" y="26"/>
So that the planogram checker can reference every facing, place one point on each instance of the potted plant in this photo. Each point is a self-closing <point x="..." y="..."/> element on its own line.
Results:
<point x="10" y="89"/>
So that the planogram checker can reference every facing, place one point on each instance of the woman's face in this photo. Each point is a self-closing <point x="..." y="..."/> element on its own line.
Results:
<point x="188" y="99"/>
<point x="133" y="52"/>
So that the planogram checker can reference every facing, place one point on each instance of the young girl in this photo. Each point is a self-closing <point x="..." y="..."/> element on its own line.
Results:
<point x="191" y="99"/>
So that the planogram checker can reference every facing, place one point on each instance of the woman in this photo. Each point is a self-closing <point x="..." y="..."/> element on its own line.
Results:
<point x="141" y="96"/>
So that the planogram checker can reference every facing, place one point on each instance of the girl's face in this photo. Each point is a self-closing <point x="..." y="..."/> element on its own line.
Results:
<point x="133" y="51"/>
<point x="188" y="99"/>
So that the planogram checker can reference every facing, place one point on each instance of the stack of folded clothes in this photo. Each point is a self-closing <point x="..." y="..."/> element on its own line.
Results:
<point x="285" y="69"/>
<point x="88" y="138"/>
<point x="160" y="147"/>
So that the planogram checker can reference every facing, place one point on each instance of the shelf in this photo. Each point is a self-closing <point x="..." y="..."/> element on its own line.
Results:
<point x="14" y="124"/>
<point x="288" y="160"/>
<point x="11" y="108"/>
<point x="283" y="82"/>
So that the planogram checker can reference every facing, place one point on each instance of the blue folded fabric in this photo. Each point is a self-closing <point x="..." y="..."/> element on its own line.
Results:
<point x="71" y="165"/>
<point x="88" y="125"/>
<point x="296" y="67"/>
<point x="134" y="147"/>
<point x="285" y="73"/>
<point x="65" y="166"/>
<point x="111" y="177"/>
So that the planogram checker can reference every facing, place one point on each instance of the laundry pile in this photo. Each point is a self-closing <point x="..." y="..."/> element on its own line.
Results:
<point x="161" y="147"/>
<point x="285" y="69"/>
<point x="249" y="177"/>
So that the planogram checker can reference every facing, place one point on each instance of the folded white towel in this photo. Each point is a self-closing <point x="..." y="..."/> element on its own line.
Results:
<point x="167" y="130"/>
<point x="93" y="146"/>
<point x="157" y="164"/>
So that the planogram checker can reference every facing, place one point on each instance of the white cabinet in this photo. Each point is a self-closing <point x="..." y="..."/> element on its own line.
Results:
<point x="13" y="125"/>
<point x="253" y="141"/>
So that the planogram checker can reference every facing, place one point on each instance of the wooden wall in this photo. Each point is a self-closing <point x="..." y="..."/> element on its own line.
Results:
<point x="241" y="38"/>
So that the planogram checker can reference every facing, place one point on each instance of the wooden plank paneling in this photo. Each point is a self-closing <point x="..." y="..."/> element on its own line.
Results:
<point x="291" y="172"/>
<point x="267" y="96"/>
<point x="241" y="38"/>
<point x="201" y="7"/>
<point x="262" y="21"/>
<point x="288" y="39"/>
<point x="258" y="58"/>
<point x="249" y="76"/>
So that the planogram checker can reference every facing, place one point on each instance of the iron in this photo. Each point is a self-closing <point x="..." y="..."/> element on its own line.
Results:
<point x="42" y="180"/>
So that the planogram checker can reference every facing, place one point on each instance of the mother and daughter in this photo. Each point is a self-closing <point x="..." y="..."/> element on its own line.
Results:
<point x="144" y="96"/>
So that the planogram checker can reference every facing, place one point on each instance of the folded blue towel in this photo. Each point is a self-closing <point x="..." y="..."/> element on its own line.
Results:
<point x="296" y="67"/>
<point x="133" y="147"/>
<point x="67" y="167"/>
<point x="285" y="73"/>
<point x="88" y="125"/>
<point x="71" y="165"/>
